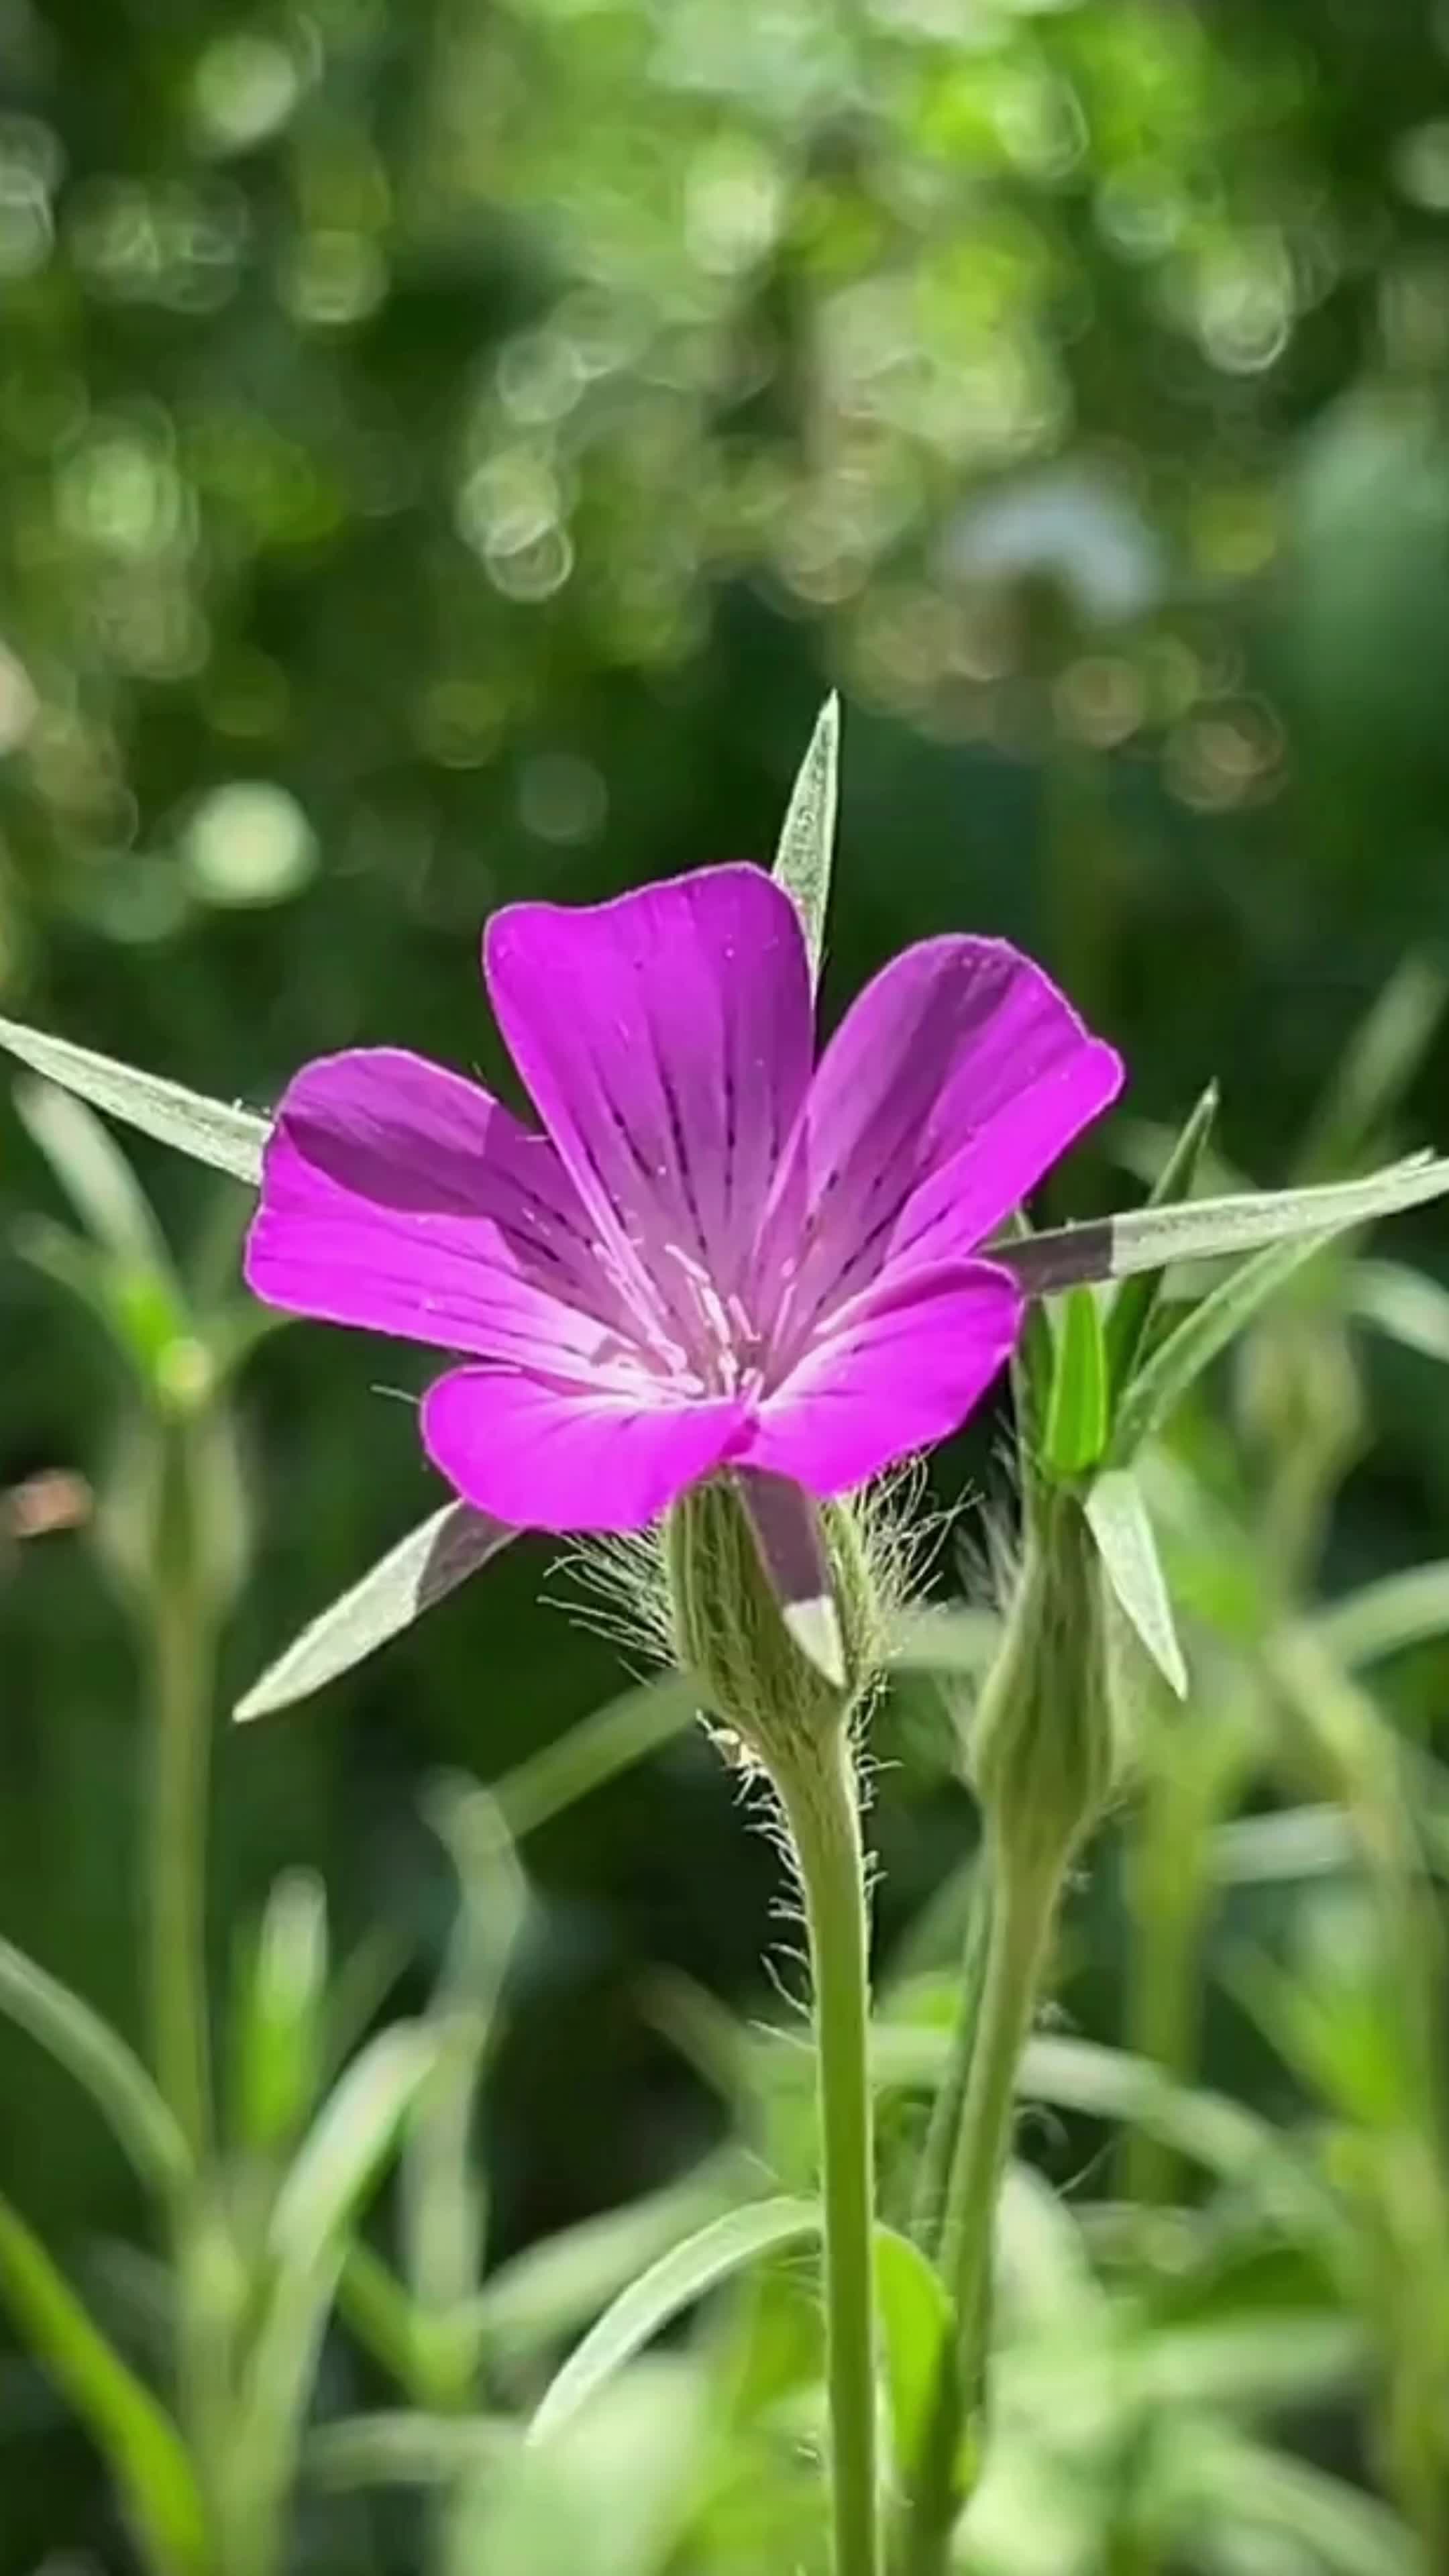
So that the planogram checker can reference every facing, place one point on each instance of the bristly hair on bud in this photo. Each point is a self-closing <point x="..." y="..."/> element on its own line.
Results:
<point x="695" y="1592"/>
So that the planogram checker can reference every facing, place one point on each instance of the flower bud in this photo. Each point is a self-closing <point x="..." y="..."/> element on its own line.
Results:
<point x="1048" y="1738"/>
<point x="729" y="1623"/>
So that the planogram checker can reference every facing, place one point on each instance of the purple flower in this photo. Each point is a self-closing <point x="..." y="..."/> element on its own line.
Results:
<point x="713" y="1254"/>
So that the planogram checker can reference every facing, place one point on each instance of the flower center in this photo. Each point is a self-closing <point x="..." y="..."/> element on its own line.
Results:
<point x="721" y="1346"/>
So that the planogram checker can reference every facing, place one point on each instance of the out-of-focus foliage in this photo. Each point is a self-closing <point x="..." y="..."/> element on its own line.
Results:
<point x="444" y="451"/>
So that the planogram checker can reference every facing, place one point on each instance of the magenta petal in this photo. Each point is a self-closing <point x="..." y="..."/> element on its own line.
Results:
<point x="565" y="1458"/>
<point x="954" y="1081"/>
<point x="666" y="1040"/>
<point x="398" y="1197"/>
<point x="901" y="1371"/>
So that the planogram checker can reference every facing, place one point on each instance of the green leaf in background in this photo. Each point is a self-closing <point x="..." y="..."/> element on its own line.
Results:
<point x="1402" y="1304"/>
<point x="1321" y="2520"/>
<point x="1118" y="1518"/>
<point x="558" y="2286"/>
<point x="1075" y="1433"/>
<point x="1383" y="1618"/>
<point x="99" y="2059"/>
<point x="349" y="2141"/>
<point x="608" y="1741"/>
<point x="404" y="2449"/>
<point x="337" y="2166"/>
<point x="1192" y="1346"/>
<point x="726" y="2246"/>
<point x="208" y="1131"/>
<point x="280" y="2015"/>
<point x="915" y="2320"/>
<point x="94" y="1174"/>
<point x="807" y="840"/>
<point x="1134" y="1303"/>
<point x="141" y="2445"/>
<point x="1148" y="1238"/>
<point x="423" y="1568"/>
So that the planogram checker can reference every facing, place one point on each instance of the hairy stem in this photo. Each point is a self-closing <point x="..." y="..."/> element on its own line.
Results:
<point x="822" y="1811"/>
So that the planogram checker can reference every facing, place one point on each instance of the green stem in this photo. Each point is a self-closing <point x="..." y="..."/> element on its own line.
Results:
<point x="928" y="2207"/>
<point x="822" y="1812"/>
<point x="1023" y="1910"/>
<point x="180" y="1663"/>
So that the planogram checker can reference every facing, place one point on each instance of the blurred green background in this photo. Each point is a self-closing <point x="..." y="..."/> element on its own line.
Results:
<point x="446" y="449"/>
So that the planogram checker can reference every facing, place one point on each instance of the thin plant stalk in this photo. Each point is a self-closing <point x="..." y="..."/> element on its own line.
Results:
<point x="928" y="2206"/>
<point x="822" y="1810"/>
<point x="1023" y="1904"/>
<point x="180" y="1664"/>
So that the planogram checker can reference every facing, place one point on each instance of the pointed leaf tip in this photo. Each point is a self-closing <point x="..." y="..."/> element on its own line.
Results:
<point x="1150" y="1238"/>
<point x="209" y="1131"/>
<point x="807" y="840"/>
<point x="423" y="1568"/>
<point x="1118" y="1519"/>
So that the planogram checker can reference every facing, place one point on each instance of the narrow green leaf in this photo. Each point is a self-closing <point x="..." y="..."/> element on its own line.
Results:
<point x="209" y="1131"/>
<point x="1130" y="1315"/>
<point x="86" y="2046"/>
<point x="726" y="2246"/>
<point x="1148" y="1238"/>
<point x="94" y="1174"/>
<point x="405" y="2450"/>
<point x="374" y="2303"/>
<point x="1403" y="1304"/>
<point x="916" y="2320"/>
<point x="338" y="2165"/>
<point x="554" y="2288"/>
<point x="1076" y="1422"/>
<point x="348" y="2143"/>
<point x="280" y="2014"/>
<point x="613" y="1739"/>
<point x="1400" y="1610"/>
<point x="807" y="841"/>
<point x="1118" y="1518"/>
<point x="135" y="2436"/>
<point x="1191" y="1346"/>
<point x="423" y="1568"/>
<point x="1287" y="1843"/>
<point x="1326" y="2522"/>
